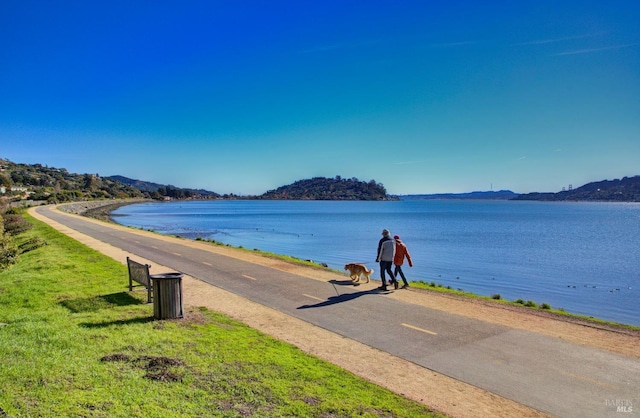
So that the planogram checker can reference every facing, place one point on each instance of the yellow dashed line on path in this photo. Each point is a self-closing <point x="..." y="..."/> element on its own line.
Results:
<point x="179" y="255"/>
<point x="249" y="277"/>
<point x="208" y="264"/>
<point x="419" y="329"/>
<point x="586" y="379"/>
<point x="313" y="297"/>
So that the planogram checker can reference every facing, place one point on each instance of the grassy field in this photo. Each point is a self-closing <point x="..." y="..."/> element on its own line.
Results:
<point x="75" y="342"/>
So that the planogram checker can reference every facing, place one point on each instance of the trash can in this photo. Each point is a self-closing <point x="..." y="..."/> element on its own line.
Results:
<point x="167" y="295"/>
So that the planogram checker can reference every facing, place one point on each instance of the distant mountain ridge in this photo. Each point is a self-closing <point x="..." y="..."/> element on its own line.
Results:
<point x="42" y="183"/>
<point x="165" y="190"/>
<point x="489" y="195"/>
<point x="626" y="189"/>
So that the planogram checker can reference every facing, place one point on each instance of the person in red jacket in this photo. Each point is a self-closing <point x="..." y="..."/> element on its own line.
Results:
<point x="398" y="259"/>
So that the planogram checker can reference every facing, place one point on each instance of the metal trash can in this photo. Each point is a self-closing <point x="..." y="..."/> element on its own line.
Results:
<point x="167" y="295"/>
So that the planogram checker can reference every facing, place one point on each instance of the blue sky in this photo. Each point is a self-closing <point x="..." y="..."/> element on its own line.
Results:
<point x="246" y="96"/>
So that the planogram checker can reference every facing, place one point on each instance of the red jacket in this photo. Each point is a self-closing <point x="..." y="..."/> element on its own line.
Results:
<point x="401" y="253"/>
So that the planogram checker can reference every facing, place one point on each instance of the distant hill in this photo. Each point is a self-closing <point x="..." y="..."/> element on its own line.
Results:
<point x="626" y="189"/>
<point x="318" y="188"/>
<point x="322" y="188"/>
<point x="156" y="190"/>
<point x="499" y="195"/>
<point x="54" y="185"/>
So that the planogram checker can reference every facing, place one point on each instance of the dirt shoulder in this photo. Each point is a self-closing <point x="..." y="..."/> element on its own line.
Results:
<point x="442" y="393"/>
<point x="607" y="337"/>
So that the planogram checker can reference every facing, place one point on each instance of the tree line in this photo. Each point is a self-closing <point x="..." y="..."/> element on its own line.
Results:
<point x="57" y="185"/>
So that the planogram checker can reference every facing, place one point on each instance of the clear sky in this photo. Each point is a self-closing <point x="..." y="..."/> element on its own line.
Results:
<point x="245" y="96"/>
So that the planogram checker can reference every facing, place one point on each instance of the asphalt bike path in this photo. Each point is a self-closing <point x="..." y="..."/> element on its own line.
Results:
<point x="545" y="373"/>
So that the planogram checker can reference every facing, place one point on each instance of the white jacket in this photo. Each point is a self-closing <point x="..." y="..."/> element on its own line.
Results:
<point x="386" y="249"/>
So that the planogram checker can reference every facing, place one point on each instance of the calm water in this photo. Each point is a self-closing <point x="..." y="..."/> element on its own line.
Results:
<point x="582" y="257"/>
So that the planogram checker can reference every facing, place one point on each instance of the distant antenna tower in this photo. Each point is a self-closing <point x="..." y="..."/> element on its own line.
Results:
<point x="570" y="187"/>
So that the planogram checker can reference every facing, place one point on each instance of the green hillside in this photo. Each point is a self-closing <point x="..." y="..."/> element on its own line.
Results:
<point x="322" y="188"/>
<point x="626" y="189"/>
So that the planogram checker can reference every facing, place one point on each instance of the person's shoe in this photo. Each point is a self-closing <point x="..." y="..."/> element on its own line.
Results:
<point x="382" y="288"/>
<point x="405" y="286"/>
<point x="395" y="284"/>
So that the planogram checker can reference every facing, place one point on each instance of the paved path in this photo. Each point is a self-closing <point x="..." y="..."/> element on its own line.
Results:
<point x="544" y="373"/>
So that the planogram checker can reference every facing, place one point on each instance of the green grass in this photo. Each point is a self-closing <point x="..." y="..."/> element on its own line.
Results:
<point x="439" y="287"/>
<point x="496" y="298"/>
<point x="75" y="342"/>
<point x="287" y="258"/>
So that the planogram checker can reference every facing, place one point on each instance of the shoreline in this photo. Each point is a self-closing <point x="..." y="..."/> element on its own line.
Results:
<point x="442" y="393"/>
<point x="97" y="209"/>
<point x="101" y="210"/>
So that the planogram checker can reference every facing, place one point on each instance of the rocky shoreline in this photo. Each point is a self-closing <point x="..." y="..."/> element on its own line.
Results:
<point x="97" y="209"/>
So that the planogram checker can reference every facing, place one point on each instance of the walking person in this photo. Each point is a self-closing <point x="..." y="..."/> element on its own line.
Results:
<point x="398" y="259"/>
<point x="386" y="252"/>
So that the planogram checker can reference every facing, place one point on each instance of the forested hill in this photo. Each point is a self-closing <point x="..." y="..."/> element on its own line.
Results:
<point x="322" y="188"/>
<point x="626" y="189"/>
<point x="35" y="182"/>
<point x="159" y="191"/>
<point x="54" y="185"/>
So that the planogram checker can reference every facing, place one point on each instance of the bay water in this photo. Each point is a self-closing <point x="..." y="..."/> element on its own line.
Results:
<point x="581" y="257"/>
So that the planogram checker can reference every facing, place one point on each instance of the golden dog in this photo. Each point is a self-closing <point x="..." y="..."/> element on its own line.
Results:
<point x="356" y="270"/>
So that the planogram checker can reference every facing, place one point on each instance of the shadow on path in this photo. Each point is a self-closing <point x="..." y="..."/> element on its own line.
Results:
<point x="346" y="297"/>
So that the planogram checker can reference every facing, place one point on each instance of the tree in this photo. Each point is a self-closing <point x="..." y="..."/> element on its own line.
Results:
<point x="90" y="182"/>
<point x="5" y="181"/>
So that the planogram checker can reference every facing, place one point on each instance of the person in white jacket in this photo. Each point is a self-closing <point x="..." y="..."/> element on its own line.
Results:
<point x="386" y="253"/>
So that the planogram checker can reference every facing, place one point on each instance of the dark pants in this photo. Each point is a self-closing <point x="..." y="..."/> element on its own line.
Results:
<point x="398" y="269"/>
<point x="386" y="266"/>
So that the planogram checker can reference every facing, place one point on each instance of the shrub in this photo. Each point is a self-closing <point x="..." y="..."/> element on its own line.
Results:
<point x="15" y="224"/>
<point x="8" y="249"/>
<point x="531" y="304"/>
<point x="545" y="306"/>
<point x="496" y="296"/>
